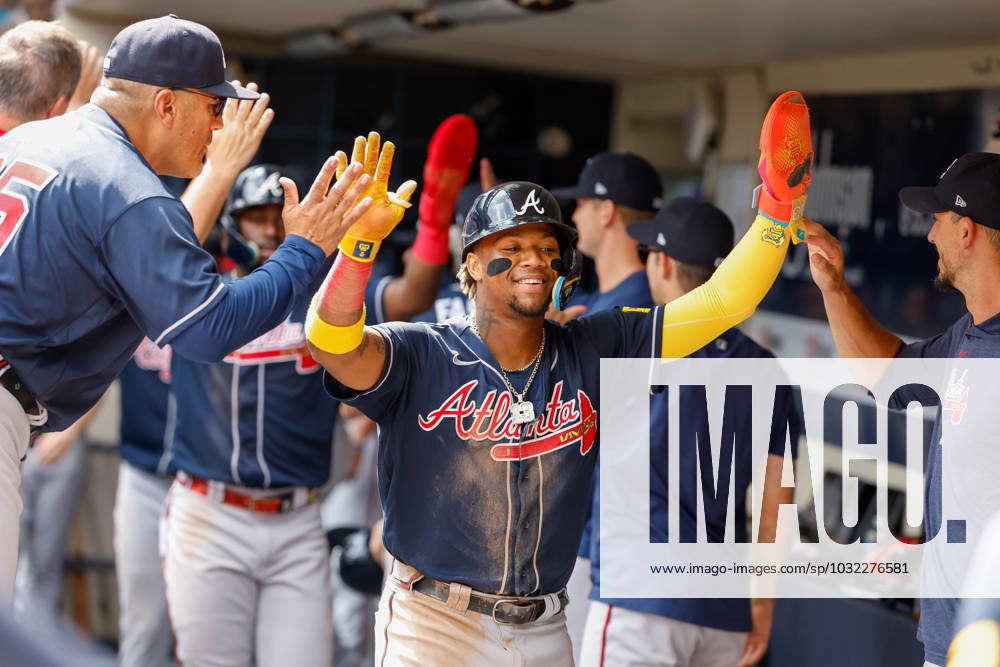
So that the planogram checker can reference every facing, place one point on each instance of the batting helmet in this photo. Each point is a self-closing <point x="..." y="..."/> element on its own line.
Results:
<point x="255" y="186"/>
<point x="521" y="203"/>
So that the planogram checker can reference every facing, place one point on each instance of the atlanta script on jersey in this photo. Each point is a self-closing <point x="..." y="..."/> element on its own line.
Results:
<point x="468" y="495"/>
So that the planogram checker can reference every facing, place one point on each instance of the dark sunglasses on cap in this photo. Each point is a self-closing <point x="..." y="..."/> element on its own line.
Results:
<point x="220" y="102"/>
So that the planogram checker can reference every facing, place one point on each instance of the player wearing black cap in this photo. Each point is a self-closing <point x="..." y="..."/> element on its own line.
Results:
<point x="686" y="241"/>
<point x="965" y="204"/>
<point x="614" y="191"/>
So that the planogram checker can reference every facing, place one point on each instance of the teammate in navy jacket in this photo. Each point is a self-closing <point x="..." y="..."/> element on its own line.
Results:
<point x="686" y="241"/>
<point x="245" y="556"/>
<point x="148" y="414"/>
<point x="112" y="254"/>
<point x="488" y="427"/>
<point x="965" y="204"/>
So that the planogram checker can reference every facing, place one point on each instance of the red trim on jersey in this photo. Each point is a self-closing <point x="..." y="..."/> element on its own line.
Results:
<point x="604" y="634"/>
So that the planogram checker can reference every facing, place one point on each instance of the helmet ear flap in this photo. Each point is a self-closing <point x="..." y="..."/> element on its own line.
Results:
<point x="566" y="284"/>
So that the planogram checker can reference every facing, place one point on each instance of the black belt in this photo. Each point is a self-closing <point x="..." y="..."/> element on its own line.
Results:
<point x="507" y="611"/>
<point x="12" y="383"/>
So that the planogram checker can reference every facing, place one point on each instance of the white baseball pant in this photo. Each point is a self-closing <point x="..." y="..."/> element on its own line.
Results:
<point x="578" y="589"/>
<point x="244" y="587"/>
<point x="416" y="630"/>
<point x="14" y="435"/>
<point x="619" y="637"/>
<point x="51" y="494"/>
<point x="353" y="502"/>
<point x="145" y="637"/>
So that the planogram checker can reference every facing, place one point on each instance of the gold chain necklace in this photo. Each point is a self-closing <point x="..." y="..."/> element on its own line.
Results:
<point x="521" y="411"/>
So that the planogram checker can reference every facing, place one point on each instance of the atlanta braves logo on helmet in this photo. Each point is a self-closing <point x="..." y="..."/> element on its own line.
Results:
<point x="270" y="185"/>
<point x="533" y="202"/>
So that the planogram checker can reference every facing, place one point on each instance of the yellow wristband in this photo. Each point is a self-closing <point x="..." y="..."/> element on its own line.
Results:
<point x="363" y="250"/>
<point x="330" y="338"/>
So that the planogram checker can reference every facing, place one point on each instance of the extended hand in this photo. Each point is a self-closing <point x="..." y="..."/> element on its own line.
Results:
<point x="326" y="213"/>
<point x="244" y="125"/>
<point x="387" y="208"/>
<point x="826" y="257"/>
<point x="51" y="447"/>
<point x="761" y="612"/>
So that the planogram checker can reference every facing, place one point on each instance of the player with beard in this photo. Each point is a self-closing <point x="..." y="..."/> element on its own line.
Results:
<point x="488" y="425"/>
<point x="965" y="204"/>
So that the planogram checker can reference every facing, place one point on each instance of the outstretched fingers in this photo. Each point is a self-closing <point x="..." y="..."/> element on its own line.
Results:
<point x="291" y="194"/>
<point x="403" y="193"/>
<point x="347" y="190"/>
<point x="341" y="158"/>
<point x="383" y="169"/>
<point x="371" y="152"/>
<point x="358" y="154"/>
<point x="321" y="184"/>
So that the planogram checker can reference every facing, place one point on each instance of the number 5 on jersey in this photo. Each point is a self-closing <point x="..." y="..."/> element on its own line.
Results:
<point x="13" y="205"/>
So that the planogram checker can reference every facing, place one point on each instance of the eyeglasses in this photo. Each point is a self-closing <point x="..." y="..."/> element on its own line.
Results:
<point x="220" y="102"/>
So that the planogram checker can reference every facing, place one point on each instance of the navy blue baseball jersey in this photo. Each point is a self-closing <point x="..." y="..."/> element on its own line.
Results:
<point x="978" y="498"/>
<point x="722" y="614"/>
<point x="260" y="417"/>
<point x="468" y="495"/>
<point x="450" y="302"/>
<point x="633" y="291"/>
<point x="147" y="410"/>
<point x="95" y="252"/>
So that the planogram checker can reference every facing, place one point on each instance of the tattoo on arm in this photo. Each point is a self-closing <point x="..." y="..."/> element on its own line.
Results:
<point x="369" y="338"/>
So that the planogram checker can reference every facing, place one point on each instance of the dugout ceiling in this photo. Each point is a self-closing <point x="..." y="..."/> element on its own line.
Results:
<point x="616" y="38"/>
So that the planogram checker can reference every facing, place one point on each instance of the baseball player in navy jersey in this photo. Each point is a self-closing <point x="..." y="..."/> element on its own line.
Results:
<point x="449" y="156"/>
<point x="965" y="204"/>
<point x="253" y="447"/>
<point x="40" y="66"/>
<point x="686" y="241"/>
<point x="112" y="253"/>
<point x="488" y="426"/>
<point x="148" y="414"/>
<point x="614" y="191"/>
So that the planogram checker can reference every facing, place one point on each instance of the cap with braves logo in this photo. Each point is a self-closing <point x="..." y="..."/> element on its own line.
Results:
<point x="172" y="53"/>
<point x="688" y="230"/>
<point x="624" y="178"/>
<point x="970" y="187"/>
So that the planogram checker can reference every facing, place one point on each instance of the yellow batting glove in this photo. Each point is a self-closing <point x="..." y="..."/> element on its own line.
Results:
<point x="363" y="239"/>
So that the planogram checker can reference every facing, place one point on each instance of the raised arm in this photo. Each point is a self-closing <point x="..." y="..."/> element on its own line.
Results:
<point x="446" y="170"/>
<point x="855" y="332"/>
<point x="744" y="277"/>
<point x="232" y="148"/>
<point x="338" y="339"/>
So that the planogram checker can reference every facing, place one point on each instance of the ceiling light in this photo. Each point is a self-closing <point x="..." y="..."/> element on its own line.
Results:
<point x="475" y="11"/>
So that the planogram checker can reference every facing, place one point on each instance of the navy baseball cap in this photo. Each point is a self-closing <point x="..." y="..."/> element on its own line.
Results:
<point x="688" y="230"/>
<point x="172" y="53"/>
<point x="624" y="178"/>
<point x="970" y="186"/>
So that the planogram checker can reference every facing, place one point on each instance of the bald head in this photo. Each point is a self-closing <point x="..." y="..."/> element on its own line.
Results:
<point x="39" y="67"/>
